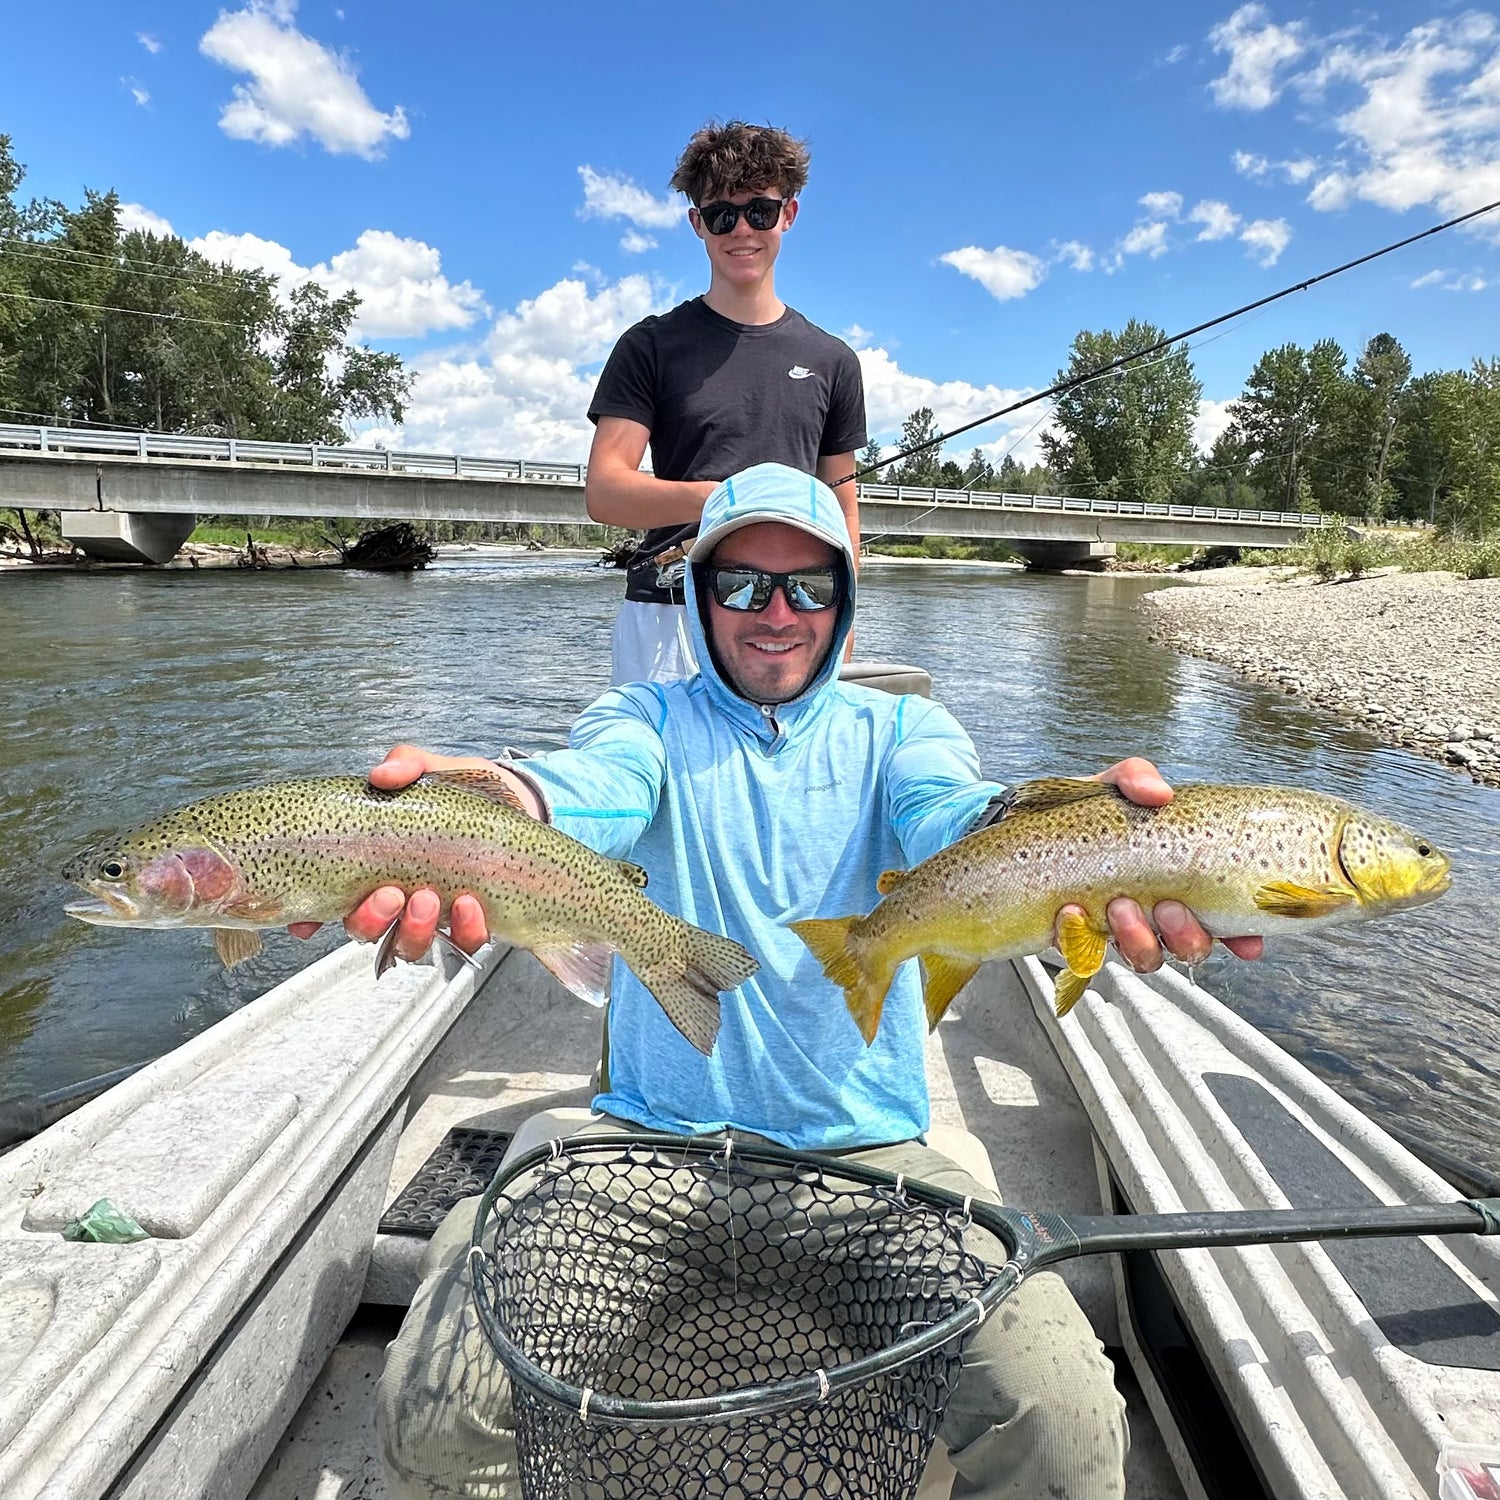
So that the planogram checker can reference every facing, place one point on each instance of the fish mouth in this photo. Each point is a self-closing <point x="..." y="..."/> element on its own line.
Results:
<point x="104" y="907"/>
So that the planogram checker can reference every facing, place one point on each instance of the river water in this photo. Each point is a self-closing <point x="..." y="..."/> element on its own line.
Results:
<point x="124" y="694"/>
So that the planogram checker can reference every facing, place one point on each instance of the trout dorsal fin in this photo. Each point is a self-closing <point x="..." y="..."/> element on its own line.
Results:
<point x="482" y="783"/>
<point x="1056" y="791"/>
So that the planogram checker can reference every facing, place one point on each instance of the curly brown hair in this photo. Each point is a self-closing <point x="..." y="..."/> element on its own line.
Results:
<point x="723" y="159"/>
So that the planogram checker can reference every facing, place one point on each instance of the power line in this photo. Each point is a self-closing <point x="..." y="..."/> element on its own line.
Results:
<point x="135" y="311"/>
<point x="38" y="251"/>
<point x="1064" y="386"/>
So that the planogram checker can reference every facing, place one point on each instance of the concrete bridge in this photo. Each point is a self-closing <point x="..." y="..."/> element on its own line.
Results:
<point x="135" y="496"/>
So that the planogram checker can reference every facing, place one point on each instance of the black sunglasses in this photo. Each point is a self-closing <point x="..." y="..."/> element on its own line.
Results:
<point x="760" y="213"/>
<point x="749" y="589"/>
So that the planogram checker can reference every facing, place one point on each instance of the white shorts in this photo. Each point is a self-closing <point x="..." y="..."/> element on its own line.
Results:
<point x="651" y="644"/>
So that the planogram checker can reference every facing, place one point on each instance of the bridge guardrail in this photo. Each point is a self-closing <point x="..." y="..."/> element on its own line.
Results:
<point x="186" y="446"/>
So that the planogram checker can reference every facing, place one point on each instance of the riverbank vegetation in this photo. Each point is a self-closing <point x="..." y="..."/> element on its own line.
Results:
<point x="1334" y="554"/>
<point x="1309" y="432"/>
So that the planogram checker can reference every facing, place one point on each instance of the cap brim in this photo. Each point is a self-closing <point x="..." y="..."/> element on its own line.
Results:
<point x="704" y="544"/>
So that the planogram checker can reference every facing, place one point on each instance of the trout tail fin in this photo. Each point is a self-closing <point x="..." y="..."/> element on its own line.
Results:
<point x="864" y="993"/>
<point x="688" y="988"/>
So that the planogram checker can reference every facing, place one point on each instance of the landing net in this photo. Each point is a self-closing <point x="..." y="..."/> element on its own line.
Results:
<point x="684" y="1319"/>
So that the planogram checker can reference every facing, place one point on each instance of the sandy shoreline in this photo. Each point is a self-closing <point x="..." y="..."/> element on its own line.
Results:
<point x="1413" y="657"/>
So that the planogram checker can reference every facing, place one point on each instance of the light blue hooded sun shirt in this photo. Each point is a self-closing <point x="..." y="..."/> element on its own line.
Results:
<point x="747" y="818"/>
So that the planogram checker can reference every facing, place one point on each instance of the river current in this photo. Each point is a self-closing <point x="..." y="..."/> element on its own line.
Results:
<point x="124" y="694"/>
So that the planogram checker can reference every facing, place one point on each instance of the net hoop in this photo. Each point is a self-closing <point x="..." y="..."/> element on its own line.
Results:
<point x="763" y="1398"/>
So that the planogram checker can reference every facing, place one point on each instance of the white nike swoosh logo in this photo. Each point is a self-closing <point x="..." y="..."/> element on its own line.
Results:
<point x="798" y="373"/>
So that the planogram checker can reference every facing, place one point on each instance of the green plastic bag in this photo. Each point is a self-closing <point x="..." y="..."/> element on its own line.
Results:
<point x="105" y="1224"/>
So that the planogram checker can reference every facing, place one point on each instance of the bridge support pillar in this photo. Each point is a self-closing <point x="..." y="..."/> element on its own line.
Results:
<point x="127" y="536"/>
<point x="1055" y="555"/>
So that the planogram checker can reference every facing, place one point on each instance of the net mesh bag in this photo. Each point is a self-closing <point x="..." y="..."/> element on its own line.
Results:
<point x="685" y="1318"/>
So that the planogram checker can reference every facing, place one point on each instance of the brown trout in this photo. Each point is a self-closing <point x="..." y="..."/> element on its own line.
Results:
<point x="311" y="851"/>
<point x="1247" y="860"/>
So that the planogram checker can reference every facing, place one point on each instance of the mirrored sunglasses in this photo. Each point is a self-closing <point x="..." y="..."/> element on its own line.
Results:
<point x="760" y="213"/>
<point x="750" y="589"/>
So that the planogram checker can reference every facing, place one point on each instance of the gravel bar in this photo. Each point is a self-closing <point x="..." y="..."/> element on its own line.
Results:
<point x="1413" y="657"/>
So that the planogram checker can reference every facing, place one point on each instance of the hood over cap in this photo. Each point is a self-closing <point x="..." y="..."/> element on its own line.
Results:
<point x="769" y="492"/>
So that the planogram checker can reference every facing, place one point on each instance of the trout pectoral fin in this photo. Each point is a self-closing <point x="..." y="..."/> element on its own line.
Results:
<point x="235" y="944"/>
<point x="942" y="978"/>
<point x="1285" y="898"/>
<point x="1056" y="791"/>
<point x="1081" y="943"/>
<point x="482" y="783"/>
<point x="1067" y="990"/>
<point x="583" y="968"/>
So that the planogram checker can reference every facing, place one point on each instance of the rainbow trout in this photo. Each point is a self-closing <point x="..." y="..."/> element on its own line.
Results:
<point x="311" y="851"/>
<point x="1248" y="860"/>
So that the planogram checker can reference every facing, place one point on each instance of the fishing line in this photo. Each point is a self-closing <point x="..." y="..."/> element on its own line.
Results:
<point x="1064" y="386"/>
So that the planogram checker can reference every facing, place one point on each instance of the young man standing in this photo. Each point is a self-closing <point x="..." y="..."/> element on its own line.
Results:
<point x="729" y="379"/>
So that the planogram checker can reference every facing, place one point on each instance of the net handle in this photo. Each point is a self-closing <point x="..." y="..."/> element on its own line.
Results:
<point x="1032" y="1241"/>
<point x="753" y="1400"/>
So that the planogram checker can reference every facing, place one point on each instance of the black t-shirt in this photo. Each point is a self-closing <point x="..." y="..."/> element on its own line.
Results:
<point x="719" y="396"/>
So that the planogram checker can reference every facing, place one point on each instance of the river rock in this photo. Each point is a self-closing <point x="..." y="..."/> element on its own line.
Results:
<point x="1412" y="657"/>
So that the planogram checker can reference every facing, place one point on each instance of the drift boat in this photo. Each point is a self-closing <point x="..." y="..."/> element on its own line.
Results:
<point x="289" y="1163"/>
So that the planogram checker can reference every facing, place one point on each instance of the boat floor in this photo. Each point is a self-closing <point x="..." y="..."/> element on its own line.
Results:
<point x="991" y="1071"/>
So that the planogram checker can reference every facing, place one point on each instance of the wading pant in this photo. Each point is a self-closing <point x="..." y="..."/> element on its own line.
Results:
<point x="1034" y="1416"/>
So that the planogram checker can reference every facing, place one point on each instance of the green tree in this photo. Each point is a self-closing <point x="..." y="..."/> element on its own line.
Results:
<point x="1127" y="435"/>
<point x="1291" y="401"/>
<point x="869" y="458"/>
<point x="923" y="468"/>
<point x="137" y="330"/>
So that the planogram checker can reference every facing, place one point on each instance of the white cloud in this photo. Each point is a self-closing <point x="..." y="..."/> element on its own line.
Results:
<point x="149" y="42"/>
<point x="856" y="336"/>
<point x="1146" y="239"/>
<point x="1267" y="238"/>
<point x="1424" y="128"/>
<point x="524" y="392"/>
<point x="1176" y="55"/>
<point x="1004" y="273"/>
<point x="1077" y="254"/>
<point x="1470" y="281"/>
<point x="1257" y="50"/>
<point x="403" y="292"/>
<point x="136" y="216"/>
<point x="1258" y="168"/>
<point x="1162" y="205"/>
<point x="892" y="394"/>
<point x="1212" y="419"/>
<point x="611" y="197"/>
<point x="139" y="94"/>
<point x="1219" y="221"/>
<point x="636" y="243"/>
<point x="297" y="87"/>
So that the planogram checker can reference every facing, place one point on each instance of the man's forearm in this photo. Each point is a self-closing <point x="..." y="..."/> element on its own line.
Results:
<point x="640" y="500"/>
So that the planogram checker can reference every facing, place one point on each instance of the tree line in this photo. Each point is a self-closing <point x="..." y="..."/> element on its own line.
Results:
<point x="1309" y="432"/>
<point x="103" y="326"/>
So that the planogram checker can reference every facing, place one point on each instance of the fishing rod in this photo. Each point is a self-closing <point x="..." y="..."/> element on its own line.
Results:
<point x="1064" y="386"/>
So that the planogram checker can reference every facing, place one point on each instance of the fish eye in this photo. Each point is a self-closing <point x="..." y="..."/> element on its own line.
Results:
<point x="112" y="869"/>
<point x="1424" y="850"/>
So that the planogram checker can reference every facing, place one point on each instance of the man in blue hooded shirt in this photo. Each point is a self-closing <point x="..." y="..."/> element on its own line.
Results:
<point x="761" y="791"/>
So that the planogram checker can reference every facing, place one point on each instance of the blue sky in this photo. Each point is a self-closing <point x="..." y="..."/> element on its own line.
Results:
<point x="987" y="180"/>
